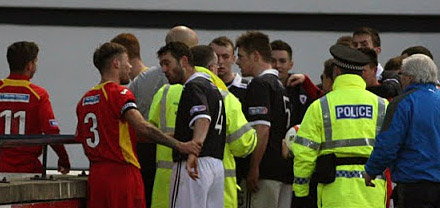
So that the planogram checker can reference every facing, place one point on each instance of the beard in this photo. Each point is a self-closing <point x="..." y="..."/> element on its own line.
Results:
<point x="178" y="78"/>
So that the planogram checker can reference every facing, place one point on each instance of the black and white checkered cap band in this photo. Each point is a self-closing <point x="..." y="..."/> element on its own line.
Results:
<point x="347" y="66"/>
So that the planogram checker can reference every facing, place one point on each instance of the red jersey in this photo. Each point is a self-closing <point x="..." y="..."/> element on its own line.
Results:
<point x="24" y="109"/>
<point x="102" y="129"/>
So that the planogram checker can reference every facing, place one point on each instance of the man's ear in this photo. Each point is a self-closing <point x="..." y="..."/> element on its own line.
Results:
<point x="116" y="63"/>
<point x="28" y="66"/>
<point x="378" y="50"/>
<point x="255" y="56"/>
<point x="184" y="61"/>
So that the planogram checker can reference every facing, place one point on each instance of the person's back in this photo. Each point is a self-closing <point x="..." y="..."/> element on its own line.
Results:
<point x="109" y="143"/>
<point x="20" y="101"/>
<point x="423" y="142"/>
<point x="111" y="140"/>
<point x="145" y="85"/>
<point x="214" y="143"/>
<point x="25" y="109"/>
<point x="337" y="137"/>
<point x="408" y="142"/>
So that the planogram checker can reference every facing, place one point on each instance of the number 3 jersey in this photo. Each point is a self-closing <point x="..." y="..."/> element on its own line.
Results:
<point x="201" y="99"/>
<point x="24" y="109"/>
<point x="105" y="134"/>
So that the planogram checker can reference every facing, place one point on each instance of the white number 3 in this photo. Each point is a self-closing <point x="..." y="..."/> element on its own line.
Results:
<point x="92" y="142"/>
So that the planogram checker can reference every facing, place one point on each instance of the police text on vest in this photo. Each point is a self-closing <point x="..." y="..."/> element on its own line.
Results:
<point x="354" y="111"/>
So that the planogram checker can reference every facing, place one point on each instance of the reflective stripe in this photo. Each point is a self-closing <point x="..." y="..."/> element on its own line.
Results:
<point x="334" y="144"/>
<point x="164" y="164"/>
<point x="326" y="118"/>
<point x="380" y="114"/>
<point x="301" y="181"/>
<point x="348" y="143"/>
<point x="224" y="93"/>
<point x="254" y="144"/>
<point x="229" y="173"/>
<point x="238" y="133"/>
<point x="354" y="174"/>
<point x="307" y="143"/>
<point x="163" y="107"/>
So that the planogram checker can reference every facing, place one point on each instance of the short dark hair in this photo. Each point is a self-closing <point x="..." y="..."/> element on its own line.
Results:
<point x="371" y="32"/>
<point x="106" y="52"/>
<point x="177" y="50"/>
<point x="279" y="45"/>
<point x="19" y="54"/>
<point x="130" y="42"/>
<point x="417" y="50"/>
<point x="223" y="41"/>
<point x="203" y="55"/>
<point x="255" y="41"/>
<point x="346" y="40"/>
<point x="350" y="71"/>
<point x="371" y="54"/>
<point x="394" y="64"/>
<point x="329" y="68"/>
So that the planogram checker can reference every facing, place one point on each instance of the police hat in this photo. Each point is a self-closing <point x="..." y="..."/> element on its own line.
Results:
<point x="348" y="58"/>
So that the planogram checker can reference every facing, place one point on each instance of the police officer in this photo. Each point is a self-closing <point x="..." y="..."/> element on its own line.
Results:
<point x="337" y="137"/>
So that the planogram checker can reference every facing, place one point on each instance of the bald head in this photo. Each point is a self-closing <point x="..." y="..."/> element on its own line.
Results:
<point x="182" y="34"/>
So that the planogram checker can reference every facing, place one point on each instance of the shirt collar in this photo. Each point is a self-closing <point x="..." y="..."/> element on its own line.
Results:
<point x="198" y="74"/>
<point x="269" y="71"/>
<point x="349" y="81"/>
<point x="19" y="76"/>
<point x="420" y="86"/>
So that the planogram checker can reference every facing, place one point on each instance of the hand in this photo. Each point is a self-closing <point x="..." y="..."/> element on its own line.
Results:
<point x="368" y="180"/>
<point x="252" y="180"/>
<point x="190" y="147"/>
<point x="191" y="166"/>
<point x="63" y="166"/>
<point x="295" y="79"/>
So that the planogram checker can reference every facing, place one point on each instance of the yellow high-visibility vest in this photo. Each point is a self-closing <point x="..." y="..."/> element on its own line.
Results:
<point x="345" y="122"/>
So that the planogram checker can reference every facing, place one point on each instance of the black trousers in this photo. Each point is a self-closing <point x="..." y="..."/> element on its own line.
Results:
<point x="418" y="195"/>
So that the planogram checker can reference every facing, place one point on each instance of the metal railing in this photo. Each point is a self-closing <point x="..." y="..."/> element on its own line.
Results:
<point x="33" y="140"/>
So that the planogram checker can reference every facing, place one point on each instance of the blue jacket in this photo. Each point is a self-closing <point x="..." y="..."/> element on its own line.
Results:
<point x="409" y="141"/>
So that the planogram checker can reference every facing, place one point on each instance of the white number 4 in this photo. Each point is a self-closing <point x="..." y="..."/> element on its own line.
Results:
<point x="219" y="122"/>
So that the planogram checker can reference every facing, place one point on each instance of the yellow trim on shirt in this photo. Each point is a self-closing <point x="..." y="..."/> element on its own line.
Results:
<point x="101" y="87"/>
<point x="125" y="144"/>
<point x="19" y="83"/>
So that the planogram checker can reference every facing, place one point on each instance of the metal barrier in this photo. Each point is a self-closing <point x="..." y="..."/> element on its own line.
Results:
<point x="33" y="140"/>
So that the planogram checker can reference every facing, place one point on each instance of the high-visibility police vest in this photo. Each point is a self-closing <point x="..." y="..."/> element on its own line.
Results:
<point x="241" y="140"/>
<point x="345" y="122"/>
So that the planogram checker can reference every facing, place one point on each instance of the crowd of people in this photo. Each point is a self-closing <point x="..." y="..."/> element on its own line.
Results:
<point x="192" y="133"/>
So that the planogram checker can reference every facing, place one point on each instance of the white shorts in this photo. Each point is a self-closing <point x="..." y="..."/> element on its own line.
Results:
<point x="271" y="193"/>
<point x="205" y="192"/>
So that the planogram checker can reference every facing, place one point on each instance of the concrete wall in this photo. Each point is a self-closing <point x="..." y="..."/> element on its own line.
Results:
<point x="66" y="70"/>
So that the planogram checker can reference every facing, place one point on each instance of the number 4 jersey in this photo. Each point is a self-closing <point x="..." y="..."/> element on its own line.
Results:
<point x="105" y="135"/>
<point x="24" y="109"/>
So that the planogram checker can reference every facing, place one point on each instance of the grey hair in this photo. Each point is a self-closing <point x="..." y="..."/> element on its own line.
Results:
<point x="421" y="68"/>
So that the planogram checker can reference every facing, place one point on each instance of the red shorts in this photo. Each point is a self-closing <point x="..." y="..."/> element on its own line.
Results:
<point x="113" y="185"/>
